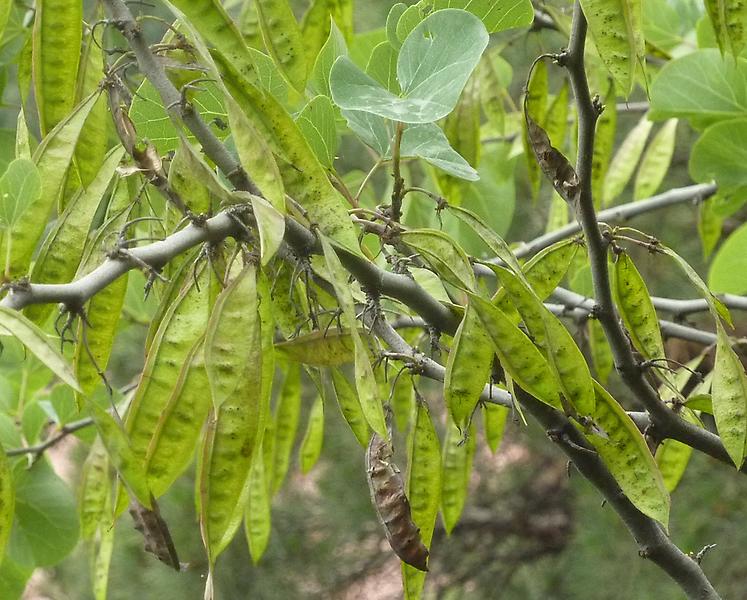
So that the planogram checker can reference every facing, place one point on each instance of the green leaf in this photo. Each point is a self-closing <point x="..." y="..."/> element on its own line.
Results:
<point x="702" y="87"/>
<point x="428" y="141"/>
<point x="317" y="124"/>
<point x="434" y="64"/>
<point x="20" y="187"/>
<point x="382" y="66"/>
<point x="615" y="26"/>
<point x="655" y="162"/>
<point x="727" y="273"/>
<point x="372" y="129"/>
<point x="719" y="155"/>
<point x="625" y="160"/>
<point x="153" y="122"/>
<point x="38" y="344"/>
<point x="45" y="529"/>
<point x="392" y="20"/>
<point x="626" y="455"/>
<point x="333" y="48"/>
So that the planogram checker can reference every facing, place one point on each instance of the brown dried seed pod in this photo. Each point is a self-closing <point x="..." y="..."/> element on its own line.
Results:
<point x="391" y="504"/>
<point x="157" y="539"/>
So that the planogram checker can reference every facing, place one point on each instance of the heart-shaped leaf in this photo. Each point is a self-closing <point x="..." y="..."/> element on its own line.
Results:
<point x="434" y="63"/>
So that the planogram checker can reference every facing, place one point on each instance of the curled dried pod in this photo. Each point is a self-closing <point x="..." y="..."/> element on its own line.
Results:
<point x="155" y="533"/>
<point x="391" y="504"/>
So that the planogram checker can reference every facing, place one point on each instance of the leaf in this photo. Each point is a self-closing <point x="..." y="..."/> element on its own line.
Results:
<point x="20" y="187"/>
<point x="373" y="130"/>
<point x="392" y="19"/>
<point x="702" y="87"/>
<point x="333" y="48"/>
<point x="656" y="161"/>
<point x="317" y="123"/>
<point x="382" y="66"/>
<point x="730" y="398"/>
<point x="434" y="64"/>
<point x="727" y="273"/>
<point x="615" y="26"/>
<point x="626" y="455"/>
<point x="283" y="40"/>
<point x="719" y="154"/>
<point x="710" y="225"/>
<point x="428" y="141"/>
<point x="45" y="527"/>
<point x="38" y="344"/>
<point x="625" y="160"/>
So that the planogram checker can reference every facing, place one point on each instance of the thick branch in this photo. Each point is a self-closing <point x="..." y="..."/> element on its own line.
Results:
<point x="653" y="542"/>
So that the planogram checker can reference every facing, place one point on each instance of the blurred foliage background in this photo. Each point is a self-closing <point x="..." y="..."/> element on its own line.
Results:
<point x="532" y="528"/>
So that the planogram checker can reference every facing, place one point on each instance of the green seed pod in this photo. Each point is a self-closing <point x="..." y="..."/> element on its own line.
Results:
<point x="730" y="398"/>
<point x="457" y="469"/>
<point x="350" y="407"/>
<point x="467" y="369"/>
<point x="311" y="445"/>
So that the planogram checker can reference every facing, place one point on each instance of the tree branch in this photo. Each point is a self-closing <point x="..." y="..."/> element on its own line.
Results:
<point x="653" y="542"/>
<point x="621" y="213"/>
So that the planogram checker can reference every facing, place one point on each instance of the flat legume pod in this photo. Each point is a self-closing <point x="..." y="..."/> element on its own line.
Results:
<point x="729" y="390"/>
<point x="456" y="471"/>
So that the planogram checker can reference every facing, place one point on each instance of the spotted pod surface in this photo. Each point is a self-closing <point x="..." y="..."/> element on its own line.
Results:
<point x="392" y="506"/>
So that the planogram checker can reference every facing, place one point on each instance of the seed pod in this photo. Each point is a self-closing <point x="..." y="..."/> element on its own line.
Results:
<point x="391" y="504"/>
<point x="673" y="456"/>
<point x="94" y="502"/>
<point x="636" y="308"/>
<point x="626" y="455"/>
<point x="155" y="532"/>
<point x="518" y="355"/>
<point x="443" y="255"/>
<point x="494" y="419"/>
<point x="283" y="40"/>
<point x="257" y="524"/>
<point x="350" y="407"/>
<point x="457" y="468"/>
<point x="313" y="439"/>
<point x="286" y="423"/>
<point x="423" y="489"/>
<point x="730" y="398"/>
<point x="467" y="368"/>
<point x="58" y="30"/>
